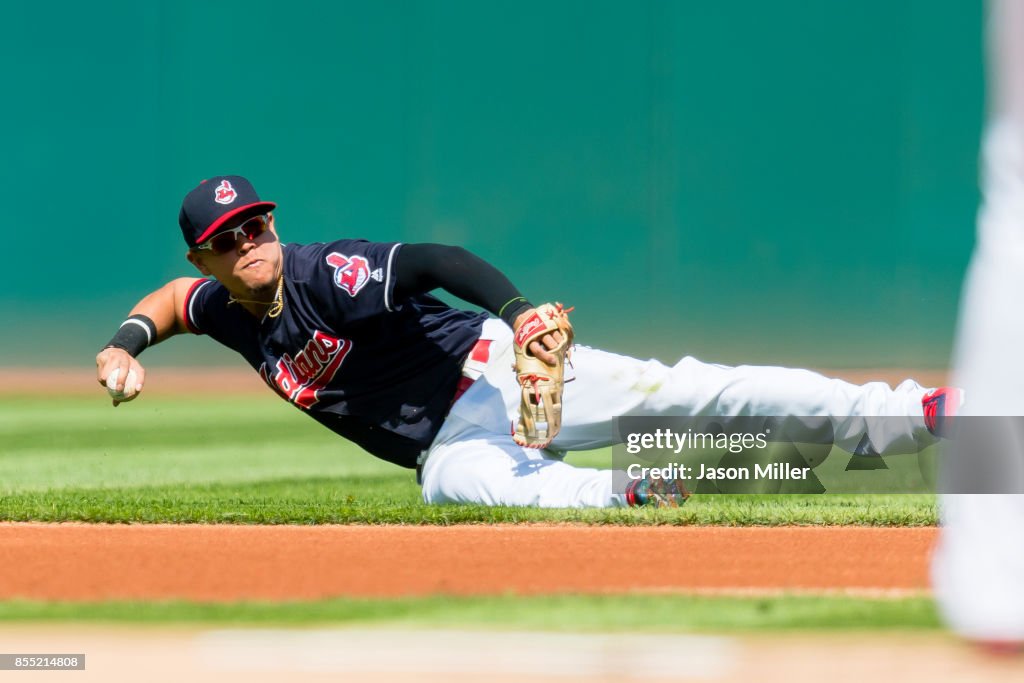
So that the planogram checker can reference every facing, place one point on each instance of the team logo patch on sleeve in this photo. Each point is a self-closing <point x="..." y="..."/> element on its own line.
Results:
<point x="351" y="273"/>
<point x="224" y="193"/>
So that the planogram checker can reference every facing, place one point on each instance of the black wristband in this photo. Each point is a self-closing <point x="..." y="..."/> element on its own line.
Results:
<point x="134" y="335"/>
<point x="513" y="309"/>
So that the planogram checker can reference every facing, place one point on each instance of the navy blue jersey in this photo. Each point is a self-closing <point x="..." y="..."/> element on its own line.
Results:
<point x="380" y="372"/>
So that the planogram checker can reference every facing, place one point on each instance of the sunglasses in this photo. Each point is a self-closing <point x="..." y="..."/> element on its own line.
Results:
<point x="223" y="242"/>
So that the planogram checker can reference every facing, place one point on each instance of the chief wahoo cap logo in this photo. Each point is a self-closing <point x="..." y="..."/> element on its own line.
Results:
<point x="224" y="193"/>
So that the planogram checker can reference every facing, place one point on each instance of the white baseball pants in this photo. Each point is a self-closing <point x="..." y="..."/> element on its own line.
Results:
<point x="474" y="459"/>
<point x="978" y="567"/>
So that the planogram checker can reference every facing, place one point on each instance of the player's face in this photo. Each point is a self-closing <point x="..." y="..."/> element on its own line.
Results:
<point x="250" y="269"/>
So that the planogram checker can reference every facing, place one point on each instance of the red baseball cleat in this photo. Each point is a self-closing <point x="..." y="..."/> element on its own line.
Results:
<point x="661" y="493"/>
<point x="940" y="406"/>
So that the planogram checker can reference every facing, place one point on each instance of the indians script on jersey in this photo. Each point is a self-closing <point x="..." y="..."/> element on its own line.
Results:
<point x="299" y="378"/>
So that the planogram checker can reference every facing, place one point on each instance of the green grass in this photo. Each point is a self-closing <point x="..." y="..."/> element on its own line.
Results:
<point x="634" y="613"/>
<point x="257" y="460"/>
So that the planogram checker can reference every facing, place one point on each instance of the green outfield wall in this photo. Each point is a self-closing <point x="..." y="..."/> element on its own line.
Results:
<point x="772" y="182"/>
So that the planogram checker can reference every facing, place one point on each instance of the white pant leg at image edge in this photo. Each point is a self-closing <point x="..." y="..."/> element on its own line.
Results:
<point x="978" y="566"/>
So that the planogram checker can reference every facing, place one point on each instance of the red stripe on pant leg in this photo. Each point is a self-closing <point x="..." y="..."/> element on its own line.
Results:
<point x="481" y="352"/>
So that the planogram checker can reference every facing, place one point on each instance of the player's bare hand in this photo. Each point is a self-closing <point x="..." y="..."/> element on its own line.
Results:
<point x="550" y="341"/>
<point x="121" y="375"/>
<point x="540" y="347"/>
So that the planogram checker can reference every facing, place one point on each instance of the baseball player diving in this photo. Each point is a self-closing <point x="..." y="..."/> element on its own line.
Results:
<point x="349" y="332"/>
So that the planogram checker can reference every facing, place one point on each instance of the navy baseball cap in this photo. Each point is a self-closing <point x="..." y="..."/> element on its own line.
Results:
<point x="217" y="200"/>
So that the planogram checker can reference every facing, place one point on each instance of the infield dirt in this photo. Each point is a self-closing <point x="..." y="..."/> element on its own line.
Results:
<point x="228" y="563"/>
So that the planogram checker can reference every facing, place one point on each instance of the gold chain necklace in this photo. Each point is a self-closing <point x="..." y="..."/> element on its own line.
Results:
<point x="276" y="306"/>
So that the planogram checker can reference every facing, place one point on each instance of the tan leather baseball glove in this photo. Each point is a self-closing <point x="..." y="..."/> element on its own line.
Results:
<point x="540" y="409"/>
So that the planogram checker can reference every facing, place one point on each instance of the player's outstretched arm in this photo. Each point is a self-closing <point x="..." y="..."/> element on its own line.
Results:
<point x="423" y="267"/>
<point x="156" y="317"/>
